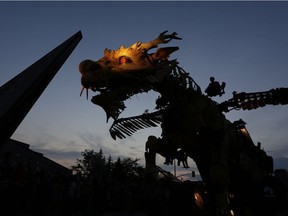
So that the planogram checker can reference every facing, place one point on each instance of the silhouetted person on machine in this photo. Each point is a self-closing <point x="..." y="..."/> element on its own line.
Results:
<point x="214" y="88"/>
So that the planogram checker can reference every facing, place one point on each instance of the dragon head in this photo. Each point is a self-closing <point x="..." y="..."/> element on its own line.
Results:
<point x="122" y="73"/>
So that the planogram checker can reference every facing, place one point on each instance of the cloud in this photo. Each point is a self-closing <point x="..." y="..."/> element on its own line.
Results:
<point x="91" y="140"/>
<point x="95" y="142"/>
<point x="58" y="154"/>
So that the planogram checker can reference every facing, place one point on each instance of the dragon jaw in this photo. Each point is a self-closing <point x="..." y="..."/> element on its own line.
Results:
<point x="122" y="73"/>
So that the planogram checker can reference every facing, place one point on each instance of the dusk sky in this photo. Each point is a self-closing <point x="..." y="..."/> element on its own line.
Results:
<point x="244" y="44"/>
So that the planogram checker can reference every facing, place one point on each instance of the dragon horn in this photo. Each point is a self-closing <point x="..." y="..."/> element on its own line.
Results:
<point x="163" y="38"/>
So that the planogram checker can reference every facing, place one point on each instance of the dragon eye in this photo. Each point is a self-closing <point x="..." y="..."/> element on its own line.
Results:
<point x="124" y="59"/>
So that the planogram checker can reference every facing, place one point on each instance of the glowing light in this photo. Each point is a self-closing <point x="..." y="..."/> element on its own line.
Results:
<point x="244" y="131"/>
<point x="198" y="199"/>
<point x="124" y="59"/>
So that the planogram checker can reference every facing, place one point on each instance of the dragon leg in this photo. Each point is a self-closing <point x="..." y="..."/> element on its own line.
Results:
<point x="214" y="171"/>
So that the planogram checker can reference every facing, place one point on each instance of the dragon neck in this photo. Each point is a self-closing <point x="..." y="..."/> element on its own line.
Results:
<point x="176" y="89"/>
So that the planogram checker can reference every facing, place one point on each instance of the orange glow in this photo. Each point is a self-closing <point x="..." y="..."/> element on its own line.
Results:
<point x="244" y="131"/>
<point x="124" y="59"/>
<point x="198" y="199"/>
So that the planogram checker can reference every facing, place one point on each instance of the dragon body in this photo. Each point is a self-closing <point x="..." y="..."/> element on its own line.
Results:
<point x="191" y="121"/>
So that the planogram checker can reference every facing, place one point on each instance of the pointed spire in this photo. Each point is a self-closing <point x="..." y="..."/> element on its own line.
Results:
<point x="19" y="94"/>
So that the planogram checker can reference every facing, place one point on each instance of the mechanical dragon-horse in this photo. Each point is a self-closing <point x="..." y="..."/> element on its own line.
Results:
<point x="191" y="122"/>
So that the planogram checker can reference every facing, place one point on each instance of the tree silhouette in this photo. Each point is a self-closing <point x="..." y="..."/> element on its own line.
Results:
<point x="94" y="164"/>
<point x="91" y="164"/>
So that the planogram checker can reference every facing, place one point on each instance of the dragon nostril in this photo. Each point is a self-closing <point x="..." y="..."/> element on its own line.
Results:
<point x="83" y="66"/>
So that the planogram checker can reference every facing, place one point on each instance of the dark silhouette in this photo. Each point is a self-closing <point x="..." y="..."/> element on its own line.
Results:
<point x="19" y="94"/>
<point x="101" y="185"/>
<point x="182" y="157"/>
<point x="214" y="88"/>
<point x="189" y="119"/>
